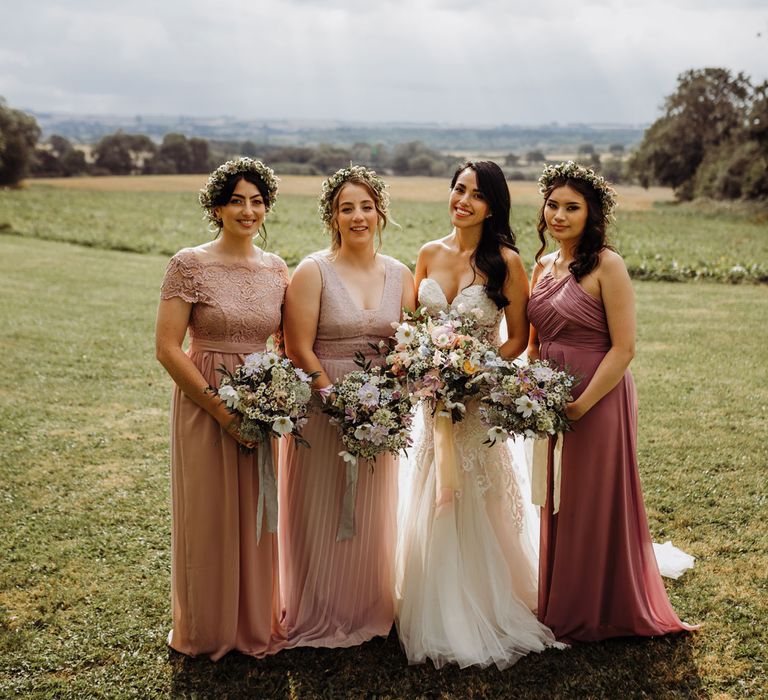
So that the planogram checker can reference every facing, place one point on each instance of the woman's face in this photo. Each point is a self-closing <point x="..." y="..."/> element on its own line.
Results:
<point x="244" y="214"/>
<point x="565" y="213"/>
<point x="356" y="215"/>
<point x="466" y="202"/>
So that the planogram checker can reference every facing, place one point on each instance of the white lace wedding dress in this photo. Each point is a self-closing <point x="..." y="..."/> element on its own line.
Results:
<point x="466" y="568"/>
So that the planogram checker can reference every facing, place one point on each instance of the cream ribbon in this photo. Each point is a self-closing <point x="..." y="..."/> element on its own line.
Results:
<point x="445" y="452"/>
<point x="267" y="490"/>
<point x="539" y="471"/>
<point x="346" y="529"/>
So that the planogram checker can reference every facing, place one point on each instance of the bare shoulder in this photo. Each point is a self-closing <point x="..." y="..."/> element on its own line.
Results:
<point x="611" y="262"/>
<point x="307" y="271"/>
<point x="510" y="257"/>
<point x="431" y="248"/>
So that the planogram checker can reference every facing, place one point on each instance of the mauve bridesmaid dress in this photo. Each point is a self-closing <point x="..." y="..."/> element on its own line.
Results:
<point x="598" y="576"/>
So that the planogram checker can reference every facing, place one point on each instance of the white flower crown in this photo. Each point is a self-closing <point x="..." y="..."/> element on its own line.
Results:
<point x="221" y="175"/>
<point x="332" y="184"/>
<point x="573" y="171"/>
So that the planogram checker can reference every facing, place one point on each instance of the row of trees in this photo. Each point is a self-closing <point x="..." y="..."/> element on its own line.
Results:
<point x="712" y="140"/>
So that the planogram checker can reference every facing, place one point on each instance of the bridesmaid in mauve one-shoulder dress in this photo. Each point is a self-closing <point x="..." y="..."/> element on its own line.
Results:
<point x="598" y="576"/>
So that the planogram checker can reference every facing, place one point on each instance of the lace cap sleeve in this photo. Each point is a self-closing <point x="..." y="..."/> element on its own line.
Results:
<point x="281" y="267"/>
<point x="182" y="278"/>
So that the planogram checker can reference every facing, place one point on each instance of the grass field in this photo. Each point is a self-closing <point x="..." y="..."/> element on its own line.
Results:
<point x="84" y="495"/>
<point x="658" y="242"/>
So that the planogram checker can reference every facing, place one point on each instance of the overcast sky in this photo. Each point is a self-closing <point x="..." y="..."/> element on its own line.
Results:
<point x="448" y="61"/>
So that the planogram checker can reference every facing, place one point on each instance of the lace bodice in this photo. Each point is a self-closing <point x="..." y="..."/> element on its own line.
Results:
<point x="343" y="328"/>
<point x="231" y="302"/>
<point x="470" y="300"/>
<point x="491" y="466"/>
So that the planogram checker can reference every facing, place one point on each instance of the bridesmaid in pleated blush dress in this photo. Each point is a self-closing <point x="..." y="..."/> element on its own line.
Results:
<point x="229" y="294"/>
<point x="337" y="536"/>
<point x="598" y="576"/>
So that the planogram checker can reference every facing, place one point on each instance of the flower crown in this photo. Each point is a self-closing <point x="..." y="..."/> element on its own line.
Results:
<point x="573" y="171"/>
<point x="221" y="175"/>
<point x="332" y="184"/>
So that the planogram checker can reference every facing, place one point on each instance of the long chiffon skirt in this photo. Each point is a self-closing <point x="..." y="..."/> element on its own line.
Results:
<point x="335" y="593"/>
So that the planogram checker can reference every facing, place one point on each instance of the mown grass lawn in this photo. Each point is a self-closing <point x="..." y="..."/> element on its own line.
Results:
<point x="84" y="497"/>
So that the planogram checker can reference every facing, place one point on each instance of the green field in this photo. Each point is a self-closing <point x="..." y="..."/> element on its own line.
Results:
<point x="667" y="243"/>
<point x="84" y="494"/>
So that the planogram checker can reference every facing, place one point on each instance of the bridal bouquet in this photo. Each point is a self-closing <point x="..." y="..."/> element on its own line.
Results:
<point x="440" y="359"/>
<point x="269" y="394"/>
<point x="527" y="400"/>
<point x="372" y="410"/>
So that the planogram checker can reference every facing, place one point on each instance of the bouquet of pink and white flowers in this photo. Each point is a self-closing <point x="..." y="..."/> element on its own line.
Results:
<point x="441" y="359"/>
<point x="525" y="399"/>
<point x="372" y="410"/>
<point x="270" y="395"/>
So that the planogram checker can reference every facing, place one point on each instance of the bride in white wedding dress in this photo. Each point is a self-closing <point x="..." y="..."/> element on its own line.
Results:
<point x="466" y="584"/>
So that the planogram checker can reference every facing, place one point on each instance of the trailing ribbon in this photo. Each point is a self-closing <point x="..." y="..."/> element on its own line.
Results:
<point x="267" y="490"/>
<point x="347" y="530"/>
<point x="445" y="452"/>
<point x="539" y="471"/>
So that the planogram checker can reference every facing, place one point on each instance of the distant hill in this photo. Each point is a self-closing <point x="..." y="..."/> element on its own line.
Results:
<point x="84" y="129"/>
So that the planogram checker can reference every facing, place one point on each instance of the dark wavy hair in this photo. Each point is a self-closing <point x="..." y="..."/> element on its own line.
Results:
<point x="594" y="238"/>
<point x="497" y="233"/>
<point x="225" y="194"/>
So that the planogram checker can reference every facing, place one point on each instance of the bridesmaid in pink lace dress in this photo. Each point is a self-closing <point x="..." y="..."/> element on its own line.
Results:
<point x="598" y="576"/>
<point x="229" y="294"/>
<point x="337" y="537"/>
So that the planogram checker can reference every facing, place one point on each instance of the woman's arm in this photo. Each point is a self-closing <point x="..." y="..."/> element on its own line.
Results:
<point x="515" y="313"/>
<point x="170" y="329"/>
<point x="619" y="302"/>
<point x="301" y="314"/>
<point x="408" y="295"/>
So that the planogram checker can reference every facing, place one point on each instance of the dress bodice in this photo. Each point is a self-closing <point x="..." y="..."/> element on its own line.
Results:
<point x="343" y="328"/>
<point x="470" y="300"/>
<point x="231" y="302"/>
<point x="562" y="311"/>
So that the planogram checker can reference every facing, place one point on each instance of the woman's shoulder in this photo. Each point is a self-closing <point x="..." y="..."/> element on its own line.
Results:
<point x="394" y="263"/>
<point x="610" y="261"/>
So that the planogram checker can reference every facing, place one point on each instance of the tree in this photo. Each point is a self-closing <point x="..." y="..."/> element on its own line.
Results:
<point x="19" y="133"/>
<point x="586" y="149"/>
<point x="535" y="157"/>
<point x="511" y="159"/>
<point x="706" y="110"/>
<point x="122" y="154"/>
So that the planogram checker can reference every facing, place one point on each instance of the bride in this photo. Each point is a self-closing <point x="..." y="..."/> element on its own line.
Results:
<point x="466" y="562"/>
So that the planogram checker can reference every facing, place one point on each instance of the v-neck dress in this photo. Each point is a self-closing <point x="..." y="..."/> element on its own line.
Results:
<point x="598" y="576"/>
<point x="339" y="593"/>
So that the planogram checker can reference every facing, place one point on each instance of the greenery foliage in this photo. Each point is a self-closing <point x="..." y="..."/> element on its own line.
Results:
<point x="712" y="140"/>
<point x="19" y="133"/>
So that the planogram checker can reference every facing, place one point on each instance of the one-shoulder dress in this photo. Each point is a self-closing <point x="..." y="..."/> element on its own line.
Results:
<point x="598" y="576"/>
<point x="225" y="592"/>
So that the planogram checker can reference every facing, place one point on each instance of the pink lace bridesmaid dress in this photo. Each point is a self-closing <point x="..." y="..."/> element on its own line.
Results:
<point x="224" y="583"/>
<point x="598" y="576"/>
<point x="337" y="586"/>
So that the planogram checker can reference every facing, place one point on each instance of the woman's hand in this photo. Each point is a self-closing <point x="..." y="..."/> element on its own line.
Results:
<point x="574" y="410"/>
<point x="231" y="426"/>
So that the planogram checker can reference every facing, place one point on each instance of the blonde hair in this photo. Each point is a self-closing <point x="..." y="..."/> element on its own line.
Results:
<point x="378" y="202"/>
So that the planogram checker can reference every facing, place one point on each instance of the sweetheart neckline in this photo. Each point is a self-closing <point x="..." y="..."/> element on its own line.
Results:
<point x="442" y="291"/>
